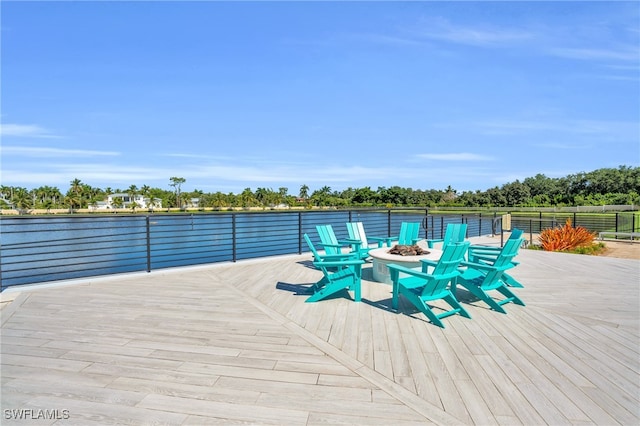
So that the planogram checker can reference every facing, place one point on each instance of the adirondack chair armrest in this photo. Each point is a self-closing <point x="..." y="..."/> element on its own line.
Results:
<point x="349" y="241"/>
<point x="431" y="242"/>
<point x="477" y="258"/>
<point x="415" y="240"/>
<point x="474" y="265"/>
<point x="486" y="267"/>
<point x="415" y="272"/>
<point x="337" y="257"/>
<point x="382" y="240"/>
<point x="426" y="263"/>
<point x="484" y="248"/>
<point x="338" y="246"/>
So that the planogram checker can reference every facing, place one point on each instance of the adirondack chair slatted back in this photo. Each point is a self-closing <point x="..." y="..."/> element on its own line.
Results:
<point x="455" y="233"/>
<point x="356" y="232"/>
<point x="316" y="255"/>
<point x="446" y="268"/>
<point x="328" y="239"/>
<point x="516" y="233"/>
<point x="408" y="233"/>
<point x="508" y="252"/>
<point x="488" y="255"/>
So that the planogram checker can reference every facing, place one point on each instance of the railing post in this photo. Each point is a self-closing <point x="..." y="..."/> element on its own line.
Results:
<point x="233" y="238"/>
<point x="540" y="223"/>
<point x="389" y="222"/>
<point x="441" y="226"/>
<point x="425" y="223"/>
<point x="148" y="223"/>
<point x="617" y="215"/>
<point x="299" y="232"/>
<point x="480" y="225"/>
<point x="433" y="224"/>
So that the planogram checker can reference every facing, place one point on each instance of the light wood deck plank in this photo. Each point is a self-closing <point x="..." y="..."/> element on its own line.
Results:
<point x="237" y="338"/>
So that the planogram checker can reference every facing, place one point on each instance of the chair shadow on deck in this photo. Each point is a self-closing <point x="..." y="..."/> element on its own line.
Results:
<point x="307" y="264"/>
<point x="466" y="297"/>
<point x="307" y="289"/>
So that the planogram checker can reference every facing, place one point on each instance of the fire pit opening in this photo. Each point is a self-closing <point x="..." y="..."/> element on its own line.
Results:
<point x="406" y="250"/>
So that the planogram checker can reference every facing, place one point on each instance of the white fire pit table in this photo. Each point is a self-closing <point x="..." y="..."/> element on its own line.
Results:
<point x="381" y="258"/>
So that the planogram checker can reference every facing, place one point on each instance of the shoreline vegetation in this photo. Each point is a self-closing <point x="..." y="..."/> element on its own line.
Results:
<point x="521" y="211"/>
<point x="602" y="187"/>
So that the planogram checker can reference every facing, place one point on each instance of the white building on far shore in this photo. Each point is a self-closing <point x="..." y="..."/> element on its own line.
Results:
<point x="126" y="202"/>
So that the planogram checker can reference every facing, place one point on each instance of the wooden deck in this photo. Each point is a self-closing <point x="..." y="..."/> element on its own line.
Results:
<point x="236" y="344"/>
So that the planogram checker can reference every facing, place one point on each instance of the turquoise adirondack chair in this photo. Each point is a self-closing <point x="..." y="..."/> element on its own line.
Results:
<point x="339" y="271"/>
<point x="332" y="245"/>
<point x="338" y="275"/>
<point x="356" y="232"/>
<point x="488" y="255"/>
<point x="455" y="233"/>
<point x="481" y="278"/>
<point x="317" y="257"/>
<point x="408" y="235"/>
<point x="421" y="287"/>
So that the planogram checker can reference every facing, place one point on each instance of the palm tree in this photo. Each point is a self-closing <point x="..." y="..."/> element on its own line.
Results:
<point x="132" y="191"/>
<point x="117" y="202"/>
<point x="176" y="182"/>
<point x="304" y="192"/>
<point x="75" y="194"/>
<point x="282" y="194"/>
<point x="145" y="190"/>
<point x="247" y="199"/>
<point x="56" y="196"/>
<point x="21" y="199"/>
<point x="42" y="193"/>
<point x="6" y="191"/>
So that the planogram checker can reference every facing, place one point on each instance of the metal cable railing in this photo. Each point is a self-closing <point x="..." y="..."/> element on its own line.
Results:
<point x="50" y="248"/>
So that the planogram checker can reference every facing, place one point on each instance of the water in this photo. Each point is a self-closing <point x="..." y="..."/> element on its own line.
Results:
<point x="49" y="248"/>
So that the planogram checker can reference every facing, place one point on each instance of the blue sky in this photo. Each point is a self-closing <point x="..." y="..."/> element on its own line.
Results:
<point x="240" y="95"/>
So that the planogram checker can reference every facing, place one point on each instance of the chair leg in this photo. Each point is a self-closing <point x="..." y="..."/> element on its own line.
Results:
<point x="480" y="294"/>
<point x="420" y="304"/>
<point x="510" y="296"/>
<point x="326" y="291"/>
<point x="510" y="281"/>
<point x="394" y="298"/>
<point x="320" y="284"/>
<point x="451" y="300"/>
<point x="357" y="291"/>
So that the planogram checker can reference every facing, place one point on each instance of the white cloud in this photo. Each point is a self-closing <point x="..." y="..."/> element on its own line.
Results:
<point x="610" y="129"/>
<point x="459" y="156"/>
<point x="442" y="29"/>
<point x="25" y="131"/>
<point x="26" y="151"/>
<point x="623" y="54"/>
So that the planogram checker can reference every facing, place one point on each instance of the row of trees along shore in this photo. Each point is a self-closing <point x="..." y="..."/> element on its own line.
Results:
<point x="606" y="186"/>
